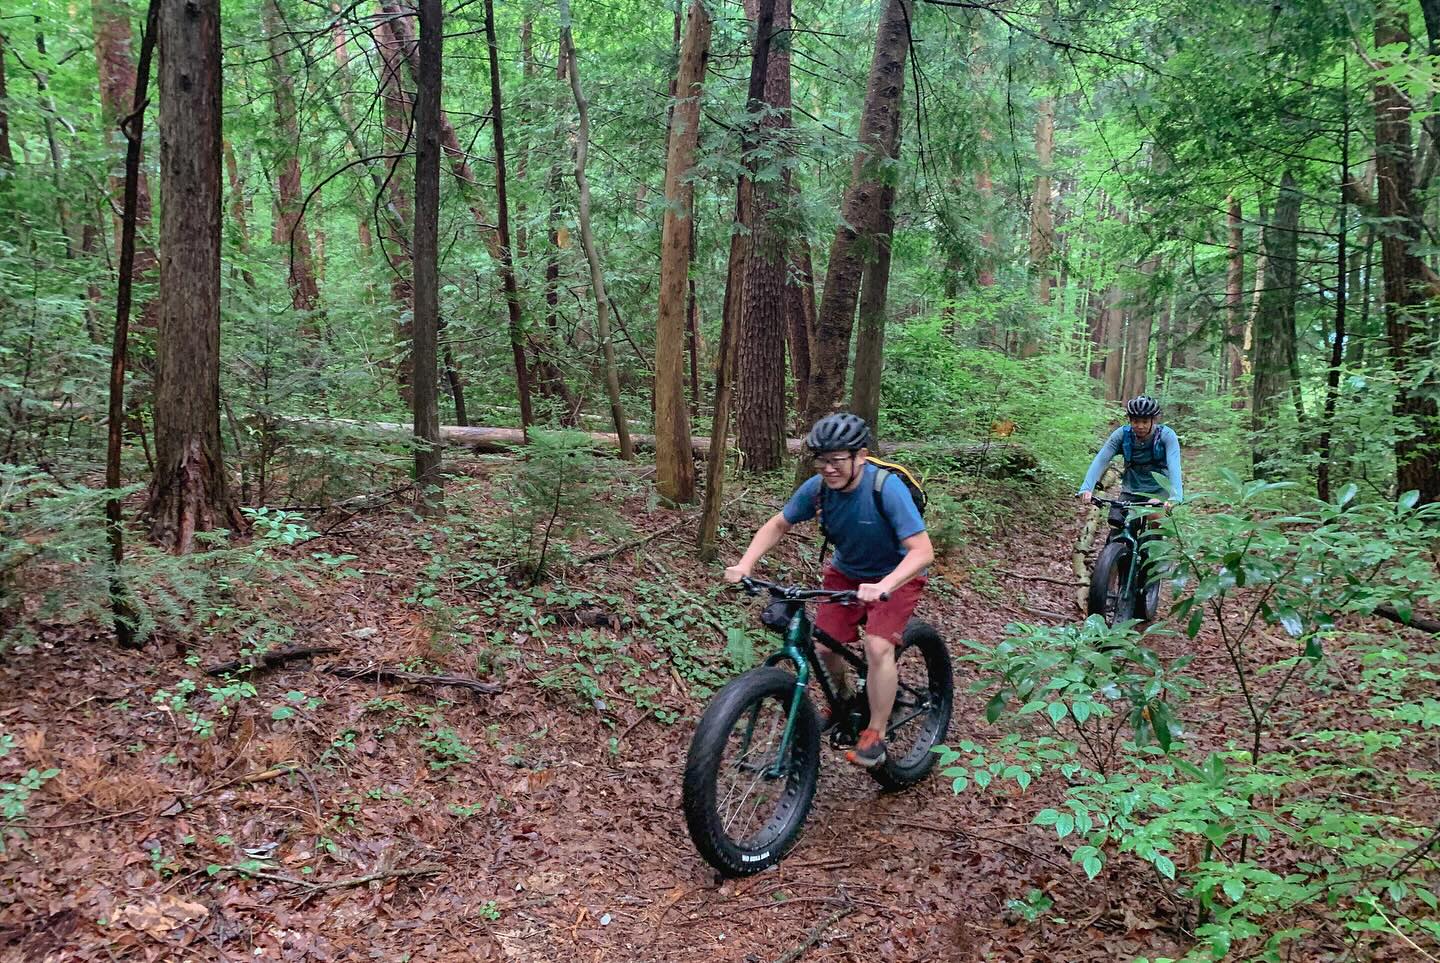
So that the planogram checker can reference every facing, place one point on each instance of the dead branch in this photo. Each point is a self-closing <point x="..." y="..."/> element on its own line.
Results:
<point x="387" y="674"/>
<point x="815" y="935"/>
<point x="335" y="884"/>
<point x="269" y="660"/>
<point x="1414" y="622"/>
<point x="646" y="539"/>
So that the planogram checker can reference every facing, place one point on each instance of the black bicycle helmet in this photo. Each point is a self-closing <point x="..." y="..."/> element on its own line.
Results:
<point x="1142" y="406"/>
<point x="841" y="431"/>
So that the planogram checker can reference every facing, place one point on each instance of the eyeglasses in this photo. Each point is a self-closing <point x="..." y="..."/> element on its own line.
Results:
<point x="835" y="463"/>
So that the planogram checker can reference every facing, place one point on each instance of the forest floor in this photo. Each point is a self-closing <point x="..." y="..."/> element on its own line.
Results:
<point x="390" y="821"/>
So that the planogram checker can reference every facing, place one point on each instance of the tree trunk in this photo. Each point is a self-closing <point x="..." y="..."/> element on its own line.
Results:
<point x="1110" y="344"/>
<point x="394" y="242"/>
<point x="1162" y="343"/>
<point x="1042" y="221"/>
<point x="587" y="237"/>
<point x="7" y="155"/>
<point x="860" y="211"/>
<point x="290" y="232"/>
<point x="1235" y="301"/>
<point x="189" y="493"/>
<point x="428" y="84"/>
<point x="1337" y="345"/>
<point x="760" y="379"/>
<point x="507" y="267"/>
<point x="1137" y="335"/>
<point x="347" y="113"/>
<point x="674" y="464"/>
<point x="49" y="113"/>
<point x="800" y="324"/>
<point x="129" y="215"/>
<point x="1274" y="340"/>
<point x="1417" y="444"/>
<point x="870" y="345"/>
<point x="237" y="212"/>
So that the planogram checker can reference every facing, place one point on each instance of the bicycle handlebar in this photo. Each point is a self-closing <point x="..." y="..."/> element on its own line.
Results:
<point x="791" y="593"/>
<point x="1099" y="498"/>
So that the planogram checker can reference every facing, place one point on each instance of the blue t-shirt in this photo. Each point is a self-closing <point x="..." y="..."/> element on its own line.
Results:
<point x="1140" y="472"/>
<point x="867" y="546"/>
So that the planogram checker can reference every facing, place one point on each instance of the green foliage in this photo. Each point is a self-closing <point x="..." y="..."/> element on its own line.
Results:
<point x="1261" y="829"/>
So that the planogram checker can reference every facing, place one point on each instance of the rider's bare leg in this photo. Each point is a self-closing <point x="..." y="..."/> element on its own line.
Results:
<point x="881" y="680"/>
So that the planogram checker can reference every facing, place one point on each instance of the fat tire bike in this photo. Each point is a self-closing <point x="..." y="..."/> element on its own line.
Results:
<point x="1119" y="588"/>
<point x="754" y="761"/>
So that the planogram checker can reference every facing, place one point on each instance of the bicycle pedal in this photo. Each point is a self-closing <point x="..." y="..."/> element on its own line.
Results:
<point x="840" y="738"/>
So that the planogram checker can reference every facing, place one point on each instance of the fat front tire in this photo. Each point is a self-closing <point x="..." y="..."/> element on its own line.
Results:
<point x="1107" y="584"/>
<point x="745" y="806"/>
<point x="923" y="703"/>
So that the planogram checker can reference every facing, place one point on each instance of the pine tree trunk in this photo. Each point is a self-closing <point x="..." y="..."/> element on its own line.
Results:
<point x="428" y="84"/>
<point x="870" y="344"/>
<point x="760" y="379"/>
<point x="1109" y="346"/>
<point x="507" y="266"/>
<point x="1235" y="300"/>
<point x="1417" y="444"/>
<point x="7" y="154"/>
<point x="1337" y="344"/>
<point x="289" y="232"/>
<point x="238" y="212"/>
<point x="1274" y="336"/>
<point x="1162" y="344"/>
<point x="395" y="242"/>
<point x="117" y="75"/>
<point x="587" y="237"/>
<point x="674" y="464"/>
<point x="800" y="324"/>
<point x="347" y="113"/>
<point x="1137" y="336"/>
<point x="189" y="492"/>
<point x="860" y="211"/>
<point x="1042" y="221"/>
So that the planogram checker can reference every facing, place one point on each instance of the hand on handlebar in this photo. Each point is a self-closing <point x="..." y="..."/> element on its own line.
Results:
<point x="1086" y="497"/>
<point x="871" y="592"/>
<point x="735" y="573"/>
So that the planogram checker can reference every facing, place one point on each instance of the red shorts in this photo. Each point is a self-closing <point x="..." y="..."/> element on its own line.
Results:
<point x="886" y="619"/>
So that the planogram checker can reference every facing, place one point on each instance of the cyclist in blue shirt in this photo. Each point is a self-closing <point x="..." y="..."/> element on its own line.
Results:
<point x="1151" y="451"/>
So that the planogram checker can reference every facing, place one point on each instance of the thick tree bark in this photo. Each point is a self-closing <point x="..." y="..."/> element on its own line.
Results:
<point x="290" y="232"/>
<point x="860" y="211"/>
<point x="674" y="465"/>
<point x="1235" y="300"/>
<point x="1417" y="444"/>
<point x="129" y="216"/>
<point x="1042" y="221"/>
<point x="1274" y="340"/>
<point x="870" y="344"/>
<point x="428" y="84"/>
<point x="507" y="266"/>
<point x="189" y="493"/>
<point x="760" y="377"/>
<point x="587" y="237"/>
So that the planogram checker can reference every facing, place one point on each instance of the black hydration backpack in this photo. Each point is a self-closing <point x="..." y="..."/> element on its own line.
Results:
<point x="886" y="469"/>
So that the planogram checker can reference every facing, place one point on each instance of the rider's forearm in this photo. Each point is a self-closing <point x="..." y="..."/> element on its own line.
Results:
<point x="915" y="561"/>
<point x="1172" y="466"/>
<point x="1097" y="467"/>
<point x="765" y="539"/>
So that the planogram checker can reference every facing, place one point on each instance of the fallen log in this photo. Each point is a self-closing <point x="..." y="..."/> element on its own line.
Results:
<point x="1414" y="621"/>
<point x="991" y="458"/>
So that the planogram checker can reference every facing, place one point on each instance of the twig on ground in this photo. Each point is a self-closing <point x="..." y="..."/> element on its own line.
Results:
<point x="334" y="884"/>
<point x="815" y="935"/>
<point x="268" y="660"/>
<point x="400" y="675"/>
<point x="24" y="824"/>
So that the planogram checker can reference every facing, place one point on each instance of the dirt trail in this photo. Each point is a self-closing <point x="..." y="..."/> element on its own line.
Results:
<point x="551" y="843"/>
